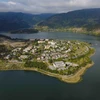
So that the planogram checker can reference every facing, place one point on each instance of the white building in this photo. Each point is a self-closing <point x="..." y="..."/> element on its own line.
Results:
<point x="17" y="49"/>
<point x="23" y="57"/>
<point x="41" y="41"/>
<point x="7" y="57"/>
<point x="47" y="47"/>
<point x="71" y="64"/>
<point x="33" y="51"/>
<point x="52" y="43"/>
<point x="68" y="50"/>
<point x="27" y="49"/>
<point x="59" y="64"/>
<point x="52" y="67"/>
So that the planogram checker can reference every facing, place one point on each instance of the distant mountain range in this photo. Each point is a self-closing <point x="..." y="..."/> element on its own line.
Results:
<point x="14" y="21"/>
<point x="86" y="19"/>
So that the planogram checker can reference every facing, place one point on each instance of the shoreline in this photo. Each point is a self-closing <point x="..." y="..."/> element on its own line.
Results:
<point x="67" y="79"/>
<point x="91" y="33"/>
<point x="73" y="78"/>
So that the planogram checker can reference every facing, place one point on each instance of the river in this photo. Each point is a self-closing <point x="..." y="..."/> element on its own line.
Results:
<point x="26" y="85"/>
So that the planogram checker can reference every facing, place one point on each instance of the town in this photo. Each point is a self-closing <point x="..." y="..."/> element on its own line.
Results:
<point x="60" y="56"/>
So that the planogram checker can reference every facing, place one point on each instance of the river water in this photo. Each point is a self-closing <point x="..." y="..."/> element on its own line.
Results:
<point x="27" y="85"/>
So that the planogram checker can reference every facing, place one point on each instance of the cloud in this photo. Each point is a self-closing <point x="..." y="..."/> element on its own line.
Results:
<point x="11" y="3"/>
<point x="46" y="6"/>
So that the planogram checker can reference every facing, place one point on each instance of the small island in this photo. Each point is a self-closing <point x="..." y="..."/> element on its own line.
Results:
<point x="30" y="30"/>
<point x="66" y="60"/>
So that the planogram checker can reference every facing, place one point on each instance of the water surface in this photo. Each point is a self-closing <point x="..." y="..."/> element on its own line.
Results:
<point x="25" y="85"/>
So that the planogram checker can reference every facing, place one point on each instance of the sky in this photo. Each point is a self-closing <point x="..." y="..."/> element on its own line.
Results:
<point x="46" y="6"/>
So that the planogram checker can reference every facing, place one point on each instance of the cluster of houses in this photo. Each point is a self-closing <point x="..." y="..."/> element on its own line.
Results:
<point x="49" y="50"/>
<point x="55" y="50"/>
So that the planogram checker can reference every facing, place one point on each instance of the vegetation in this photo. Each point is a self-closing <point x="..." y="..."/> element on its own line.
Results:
<point x="42" y="55"/>
<point x="35" y="64"/>
<point x="85" y="21"/>
<point x="14" y="21"/>
<point x="4" y="50"/>
<point x="25" y="31"/>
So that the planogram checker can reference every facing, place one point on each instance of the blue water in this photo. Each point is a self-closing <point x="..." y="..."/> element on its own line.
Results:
<point x="26" y="85"/>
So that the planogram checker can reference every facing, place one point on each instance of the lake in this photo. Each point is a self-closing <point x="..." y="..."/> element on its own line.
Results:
<point x="28" y="85"/>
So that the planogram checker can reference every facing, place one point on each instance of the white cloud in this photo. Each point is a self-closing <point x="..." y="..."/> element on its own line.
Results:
<point x="47" y="6"/>
<point x="79" y="2"/>
<point x="12" y="3"/>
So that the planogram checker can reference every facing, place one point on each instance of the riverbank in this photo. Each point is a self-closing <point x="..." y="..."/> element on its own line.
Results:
<point x="65" y="78"/>
<point x="68" y="79"/>
<point x="71" y="75"/>
<point x="71" y="29"/>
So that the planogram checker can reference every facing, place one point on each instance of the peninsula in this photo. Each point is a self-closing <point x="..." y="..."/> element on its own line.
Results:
<point x="63" y="59"/>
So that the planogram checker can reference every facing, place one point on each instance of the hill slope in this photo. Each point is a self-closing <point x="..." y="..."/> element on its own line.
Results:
<point x="88" y="19"/>
<point x="14" y="21"/>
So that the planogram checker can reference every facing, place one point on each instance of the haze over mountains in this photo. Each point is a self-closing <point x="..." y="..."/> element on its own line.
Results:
<point x="88" y="19"/>
<point x="14" y="21"/>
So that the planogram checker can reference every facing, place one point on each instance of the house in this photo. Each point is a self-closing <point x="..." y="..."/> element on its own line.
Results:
<point x="52" y="67"/>
<point x="46" y="39"/>
<point x="38" y="58"/>
<point x="68" y="50"/>
<point x="59" y="64"/>
<point x="27" y="49"/>
<point x="71" y="64"/>
<point x="7" y="57"/>
<point x="33" y="51"/>
<point x="52" y="43"/>
<point x="23" y="57"/>
<point x="75" y="65"/>
<point x="41" y="41"/>
<point x="68" y="64"/>
<point x="47" y="47"/>
<point x="69" y="42"/>
<point x="17" y="49"/>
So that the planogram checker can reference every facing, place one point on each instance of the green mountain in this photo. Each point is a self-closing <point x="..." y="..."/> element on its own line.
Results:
<point x="82" y="20"/>
<point x="15" y="21"/>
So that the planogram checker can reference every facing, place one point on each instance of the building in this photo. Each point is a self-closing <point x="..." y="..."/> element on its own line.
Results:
<point x="59" y="64"/>
<point x="41" y="41"/>
<point x="52" y="43"/>
<point x="68" y="64"/>
<point x="33" y="51"/>
<point x="52" y="67"/>
<point x="17" y="49"/>
<point x="27" y="49"/>
<point x="47" y="47"/>
<point x="23" y="57"/>
<point x="7" y="57"/>
<point x="68" y="50"/>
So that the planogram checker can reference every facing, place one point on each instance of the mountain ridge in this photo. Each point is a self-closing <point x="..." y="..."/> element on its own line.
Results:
<point x="17" y="20"/>
<point x="86" y="19"/>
